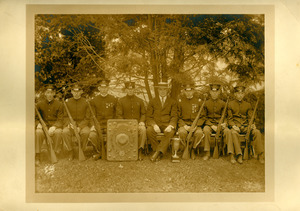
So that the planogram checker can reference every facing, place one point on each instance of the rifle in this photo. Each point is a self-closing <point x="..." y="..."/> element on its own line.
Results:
<point x="247" y="137"/>
<point x="99" y="131"/>
<point x="186" y="153"/>
<point x="217" y="136"/>
<point x="48" y="138"/>
<point x="81" y="156"/>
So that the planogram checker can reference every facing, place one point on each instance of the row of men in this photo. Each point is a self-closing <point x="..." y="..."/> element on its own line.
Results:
<point x="163" y="115"/>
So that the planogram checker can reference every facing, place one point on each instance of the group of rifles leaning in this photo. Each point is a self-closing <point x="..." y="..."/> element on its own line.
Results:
<point x="163" y="115"/>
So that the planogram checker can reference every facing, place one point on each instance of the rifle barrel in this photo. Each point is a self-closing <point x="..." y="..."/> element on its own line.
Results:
<point x="98" y="129"/>
<point x="217" y="136"/>
<point x="186" y="150"/>
<point x="247" y="136"/>
<point x="48" y="137"/>
<point x="80" y="152"/>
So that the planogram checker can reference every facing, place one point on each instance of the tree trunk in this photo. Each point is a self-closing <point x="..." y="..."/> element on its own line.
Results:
<point x="153" y="54"/>
<point x="176" y="65"/>
<point x="147" y="86"/>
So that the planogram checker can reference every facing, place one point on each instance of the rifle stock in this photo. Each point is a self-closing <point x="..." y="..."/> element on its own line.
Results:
<point x="81" y="156"/>
<point x="99" y="131"/>
<point x="186" y="152"/>
<point x="217" y="136"/>
<point x="247" y="137"/>
<point x="48" y="138"/>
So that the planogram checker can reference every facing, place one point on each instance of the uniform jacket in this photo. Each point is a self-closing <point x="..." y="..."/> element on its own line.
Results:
<point x="104" y="107"/>
<point x="213" y="111"/>
<point x="131" y="107"/>
<point x="162" y="115"/>
<point x="188" y="110"/>
<point x="79" y="111"/>
<point x="239" y="113"/>
<point x="51" y="112"/>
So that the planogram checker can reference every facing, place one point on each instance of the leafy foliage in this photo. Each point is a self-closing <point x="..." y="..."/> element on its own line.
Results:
<point x="149" y="48"/>
<point x="67" y="49"/>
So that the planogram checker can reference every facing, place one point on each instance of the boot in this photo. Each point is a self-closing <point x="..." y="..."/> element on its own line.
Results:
<point x="154" y="156"/>
<point x="96" y="156"/>
<point x="159" y="156"/>
<point x="70" y="155"/>
<point x="261" y="158"/>
<point x="193" y="156"/>
<point x="140" y="154"/>
<point x="240" y="159"/>
<point x="37" y="160"/>
<point x="232" y="158"/>
<point x="207" y="155"/>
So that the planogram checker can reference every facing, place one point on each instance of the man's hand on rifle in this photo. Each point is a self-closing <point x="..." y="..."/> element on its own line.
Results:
<point x="223" y="125"/>
<point x="72" y="126"/>
<point x="51" y="130"/>
<point x="253" y="127"/>
<point x="39" y="126"/>
<point x="236" y="128"/>
<point x="187" y="128"/>
<point x="195" y="128"/>
<point x="141" y="124"/>
<point x="93" y="128"/>
<point x="214" y="127"/>
<point x="156" y="128"/>
<point x="169" y="128"/>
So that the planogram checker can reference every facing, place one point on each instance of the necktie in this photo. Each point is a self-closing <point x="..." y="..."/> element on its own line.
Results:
<point x="162" y="101"/>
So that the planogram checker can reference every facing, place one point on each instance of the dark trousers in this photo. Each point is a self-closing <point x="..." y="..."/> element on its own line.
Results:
<point x="226" y="133"/>
<point x="68" y="133"/>
<point x="163" y="145"/>
<point x="256" y="143"/>
<point x="95" y="139"/>
<point x="40" y="136"/>
<point x="197" y="136"/>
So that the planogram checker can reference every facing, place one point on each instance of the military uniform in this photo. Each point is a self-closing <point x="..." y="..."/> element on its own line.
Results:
<point x="239" y="115"/>
<point x="213" y="111"/>
<point x="132" y="107"/>
<point x="80" y="113"/>
<point x="163" y="115"/>
<point x="188" y="109"/>
<point x="104" y="108"/>
<point x="52" y="114"/>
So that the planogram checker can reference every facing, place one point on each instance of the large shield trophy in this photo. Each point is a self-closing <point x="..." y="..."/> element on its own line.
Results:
<point x="122" y="140"/>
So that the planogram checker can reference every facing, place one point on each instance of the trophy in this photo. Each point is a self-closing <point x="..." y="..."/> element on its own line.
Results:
<point x="176" y="144"/>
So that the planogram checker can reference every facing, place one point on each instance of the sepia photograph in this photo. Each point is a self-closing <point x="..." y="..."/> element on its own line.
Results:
<point x="138" y="105"/>
<point x="149" y="106"/>
<point x="149" y="103"/>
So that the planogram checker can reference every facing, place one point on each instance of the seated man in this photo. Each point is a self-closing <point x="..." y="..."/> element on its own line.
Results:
<point x="161" y="116"/>
<point x="188" y="108"/>
<point x="51" y="111"/>
<point x="213" y="110"/>
<point x="80" y="113"/>
<point x="104" y="108"/>
<point x="239" y="115"/>
<point x="132" y="107"/>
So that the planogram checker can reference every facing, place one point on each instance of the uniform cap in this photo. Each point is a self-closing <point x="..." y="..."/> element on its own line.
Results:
<point x="129" y="85"/>
<point x="50" y="87"/>
<point x="240" y="87"/>
<point x="104" y="83"/>
<point x="215" y="86"/>
<point x="162" y="85"/>
<point x="76" y="87"/>
<point x="188" y="87"/>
